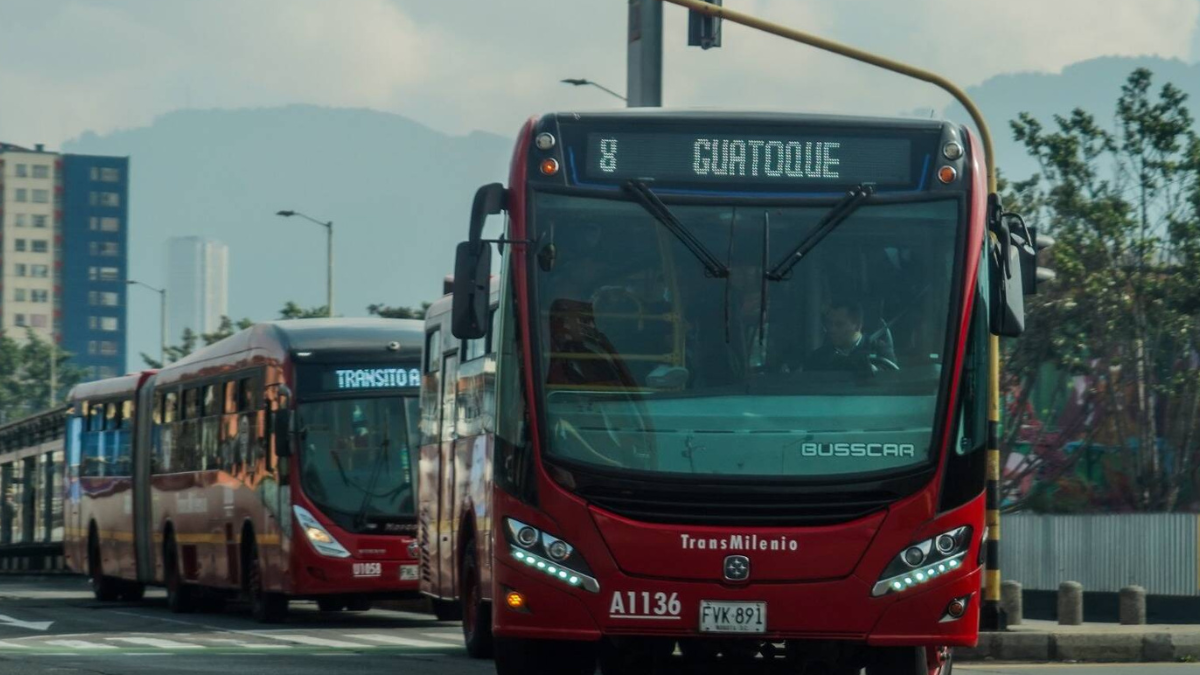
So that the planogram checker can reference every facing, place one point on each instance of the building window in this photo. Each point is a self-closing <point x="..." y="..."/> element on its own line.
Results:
<point x="40" y="221"/>
<point x="41" y="196"/>
<point x="20" y="270"/>
<point x="19" y="320"/>
<point x="108" y="348"/>
<point x="103" y="299"/>
<point x="104" y="224"/>
<point x="37" y="320"/>
<point x="18" y="295"/>
<point x="109" y="324"/>
<point x="105" y="372"/>
<point x="41" y="246"/>
<point x="20" y="220"/>
<point x="39" y="296"/>
<point x="104" y="199"/>
<point x="93" y="347"/>
<point x="110" y="175"/>
<point x="19" y="245"/>
<point x="41" y="171"/>
<point x="22" y="171"/>
<point x="40" y="271"/>
<point x="105" y="248"/>
<point x="103" y="274"/>
<point x="21" y="195"/>
<point x="95" y="173"/>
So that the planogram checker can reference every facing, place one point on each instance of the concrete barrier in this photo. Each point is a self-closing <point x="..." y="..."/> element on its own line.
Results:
<point x="1070" y="603"/>
<point x="1010" y="600"/>
<point x="1133" y="606"/>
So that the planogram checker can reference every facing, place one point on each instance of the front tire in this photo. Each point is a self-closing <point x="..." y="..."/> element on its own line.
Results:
<point x="329" y="605"/>
<point x="181" y="597"/>
<point x="132" y="591"/>
<point x="899" y="661"/>
<point x="477" y="614"/>
<point x="561" y="657"/>
<point x="105" y="589"/>
<point x="266" y="607"/>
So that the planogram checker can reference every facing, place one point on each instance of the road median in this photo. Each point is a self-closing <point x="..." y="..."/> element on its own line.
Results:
<point x="1112" y="643"/>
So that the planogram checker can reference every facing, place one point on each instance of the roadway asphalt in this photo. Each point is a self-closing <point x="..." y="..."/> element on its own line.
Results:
<point x="52" y="625"/>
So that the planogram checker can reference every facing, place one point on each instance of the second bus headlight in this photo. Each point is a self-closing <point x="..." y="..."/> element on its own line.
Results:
<point x="318" y="536"/>
<point x="924" y="561"/>
<point x="549" y="554"/>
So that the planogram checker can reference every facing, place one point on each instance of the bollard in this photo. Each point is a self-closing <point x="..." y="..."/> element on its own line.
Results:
<point x="1133" y="606"/>
<point x="1010" y="600"/>
<point x="1070" y="603"/>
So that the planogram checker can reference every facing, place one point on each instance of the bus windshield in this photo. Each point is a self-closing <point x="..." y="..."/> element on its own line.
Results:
<point x="652" y="363"/>
<point x="355" y="463"/>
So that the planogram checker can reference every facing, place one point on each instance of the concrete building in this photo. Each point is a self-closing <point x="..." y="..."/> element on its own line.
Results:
<point x="95" y="256"/>
<point x="197" y="276"/>
<point x="63" y="253"/>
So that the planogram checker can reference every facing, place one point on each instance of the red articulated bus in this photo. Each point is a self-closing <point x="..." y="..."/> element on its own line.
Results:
<point x="741" y="396"/>
<point x="273" y="465"/>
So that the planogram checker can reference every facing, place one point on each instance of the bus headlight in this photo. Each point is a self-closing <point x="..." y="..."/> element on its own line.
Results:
<point x="318" y="536"/>
<point x="924" y="561"/>
<point x="549" y="554"/>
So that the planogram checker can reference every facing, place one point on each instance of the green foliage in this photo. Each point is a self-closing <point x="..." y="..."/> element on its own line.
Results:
<point x="1123" y="204"/>
<point x="25" y="375"/>
<point x="389" y="312"/>
<point x="293" y="311"/>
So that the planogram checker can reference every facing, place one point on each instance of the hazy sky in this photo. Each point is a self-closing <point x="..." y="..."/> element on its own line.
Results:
<point x="69" y="66"/>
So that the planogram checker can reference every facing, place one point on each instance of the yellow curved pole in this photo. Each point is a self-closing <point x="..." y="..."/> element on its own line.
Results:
<point x="993" y="615"/>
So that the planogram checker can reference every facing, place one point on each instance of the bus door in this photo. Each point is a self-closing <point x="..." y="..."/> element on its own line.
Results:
<point x="76" y="420"/>
<point x="144" y="427"/>
<point x="447" y="523"/>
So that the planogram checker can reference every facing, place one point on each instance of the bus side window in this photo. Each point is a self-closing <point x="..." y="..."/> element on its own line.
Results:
<point x="189" y="436"/>
<point x="170" y="433"/>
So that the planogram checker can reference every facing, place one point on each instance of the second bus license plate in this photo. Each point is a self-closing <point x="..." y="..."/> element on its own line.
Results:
<point x="733" y="617"/>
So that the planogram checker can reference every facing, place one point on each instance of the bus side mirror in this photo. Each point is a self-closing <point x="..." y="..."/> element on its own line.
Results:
<point x="1007" y="303"/>
<point x="472" y="290"/>
<point x="283" y="433"/>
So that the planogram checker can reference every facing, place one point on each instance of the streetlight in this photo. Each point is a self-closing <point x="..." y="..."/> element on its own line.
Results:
<point x="162" y="318"/>
<point x="579" y="82"/>
<point x="329" y="253"/>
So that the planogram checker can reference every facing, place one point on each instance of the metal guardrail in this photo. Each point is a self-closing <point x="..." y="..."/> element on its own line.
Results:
<point x="1160" y="552"/>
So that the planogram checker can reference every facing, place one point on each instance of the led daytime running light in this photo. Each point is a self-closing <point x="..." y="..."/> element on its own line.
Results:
<point x="917" y="577"/>
<point x="559" y="572"/>
<point x="322" y="542"/>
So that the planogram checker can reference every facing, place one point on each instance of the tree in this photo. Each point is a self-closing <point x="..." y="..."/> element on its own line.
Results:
<point x="389" y="312"/>
<point x="189" y="340"/>
<point x="1124" y="206"/>
<point x="293" y="311"/>
<point x="25" y="375"/>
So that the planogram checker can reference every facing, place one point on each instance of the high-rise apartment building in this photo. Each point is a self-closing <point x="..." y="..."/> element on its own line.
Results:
<point x="197" y="273"/>
<point x="63" y="253"/>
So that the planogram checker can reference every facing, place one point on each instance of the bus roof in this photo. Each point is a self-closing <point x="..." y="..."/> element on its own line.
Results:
<point x="759" y="116"/>
<point x="123" y="386"/>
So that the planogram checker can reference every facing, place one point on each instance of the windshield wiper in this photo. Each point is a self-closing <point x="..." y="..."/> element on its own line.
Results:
<point x="360" y="518"/>
<point x="654" y="206"/>
<point x="837" y="215"/>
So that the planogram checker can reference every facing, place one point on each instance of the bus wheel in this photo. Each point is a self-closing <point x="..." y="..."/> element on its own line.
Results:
<point x="516" y="656"/>
<point x="132" y="591"/>
<point x="181" y="597"/>
<point x="359" y="605"/>
<point x="106" y="589"/>
<point x="330" y="605"/>
<point x="266" y="607"/>
<point x="446" y="610"/>
<point x="477" y="614"/>
<point x="900" y="661"/>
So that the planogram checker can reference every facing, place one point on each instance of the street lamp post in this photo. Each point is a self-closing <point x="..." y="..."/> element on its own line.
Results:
<point x="328" y="252"/>
<point x="579" y="82"/>
<point x="162" y="318"/>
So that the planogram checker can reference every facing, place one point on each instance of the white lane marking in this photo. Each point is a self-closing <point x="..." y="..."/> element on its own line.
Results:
<point x="394" y="640"/>
<point x="79" y="644"/>
<point x="31" y="625"/>
<point x="12" y="645"/>
<point x="319" y="642"/>
<point x="448" y="637"/>
<point x="400" y="614"/>
<point x="156" y="642"/>
<point x="248" y="645"/>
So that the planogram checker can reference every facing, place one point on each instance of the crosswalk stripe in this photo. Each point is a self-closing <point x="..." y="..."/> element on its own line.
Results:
<point x="248" y="645"/>
<point x="12" y="645"/>
<point x="448" y="637"/>
<point x="79" y="644"/>
<point x="156" y="642"/>
<point x="318" y="642"/>
<point x="393" y="640"/>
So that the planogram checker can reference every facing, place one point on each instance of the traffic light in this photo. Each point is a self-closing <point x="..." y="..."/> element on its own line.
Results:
<point x="704" y="31"/>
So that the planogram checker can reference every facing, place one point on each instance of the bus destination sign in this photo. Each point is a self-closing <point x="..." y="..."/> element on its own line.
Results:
<point x="760" y="162"/>
<point x="344" y="378"/>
